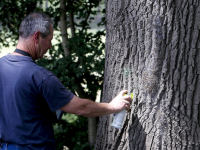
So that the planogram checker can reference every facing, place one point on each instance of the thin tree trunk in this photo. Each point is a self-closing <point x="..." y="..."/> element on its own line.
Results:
<point x="63" y="27"/>
<point x="71" y="20"/>
<point x="92" y="125"/>
<point x="92" y="129"/>
<point x="153" y="50"/>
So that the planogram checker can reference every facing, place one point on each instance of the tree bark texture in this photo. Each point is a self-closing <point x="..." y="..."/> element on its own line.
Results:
<point x="153" y="50"/>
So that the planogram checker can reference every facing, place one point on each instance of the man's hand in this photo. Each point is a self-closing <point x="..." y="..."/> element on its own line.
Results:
<point x="121" y="101"/>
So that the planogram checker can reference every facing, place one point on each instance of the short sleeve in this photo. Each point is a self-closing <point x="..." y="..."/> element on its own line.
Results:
<point x="55" y="93"/>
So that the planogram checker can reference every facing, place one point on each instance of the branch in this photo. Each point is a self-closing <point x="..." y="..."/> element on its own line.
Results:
<point x="87" y="17"/>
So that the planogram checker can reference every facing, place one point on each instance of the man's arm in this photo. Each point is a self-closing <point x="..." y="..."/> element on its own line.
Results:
<point x="88" y="108"/>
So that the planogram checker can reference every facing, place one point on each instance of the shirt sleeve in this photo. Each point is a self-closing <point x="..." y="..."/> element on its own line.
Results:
<point x="55" y="93"/>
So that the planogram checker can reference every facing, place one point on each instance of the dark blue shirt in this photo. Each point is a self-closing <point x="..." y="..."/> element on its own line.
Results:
<point x="28" y="95"/>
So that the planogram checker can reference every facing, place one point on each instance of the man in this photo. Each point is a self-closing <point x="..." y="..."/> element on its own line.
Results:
<point x="29" y="93"/>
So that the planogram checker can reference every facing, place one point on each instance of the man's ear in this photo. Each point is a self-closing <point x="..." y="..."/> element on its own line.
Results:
<point x="36" y="37"/>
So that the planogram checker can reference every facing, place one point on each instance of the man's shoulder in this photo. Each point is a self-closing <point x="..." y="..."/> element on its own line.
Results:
<point x="16" y="59"/>
<point x="41" y="71"/>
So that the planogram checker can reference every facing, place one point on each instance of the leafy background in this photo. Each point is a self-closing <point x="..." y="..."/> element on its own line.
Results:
<point x="81" y="69"/>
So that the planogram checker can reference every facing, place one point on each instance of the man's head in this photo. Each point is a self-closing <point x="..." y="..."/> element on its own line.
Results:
<point x="34" y="22"/>
<point x="35" y="34"/>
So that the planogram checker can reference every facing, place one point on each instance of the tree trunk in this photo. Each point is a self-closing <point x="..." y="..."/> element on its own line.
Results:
<point x="92" y="130"/>
<point x="152" y="49"/>
<point x="63" y="27"/>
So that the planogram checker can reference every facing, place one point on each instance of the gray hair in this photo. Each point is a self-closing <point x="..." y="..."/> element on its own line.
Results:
<point x="36" y="21"/>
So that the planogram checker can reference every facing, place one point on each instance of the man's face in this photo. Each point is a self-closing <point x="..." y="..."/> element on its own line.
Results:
<point x="44" y="44"/>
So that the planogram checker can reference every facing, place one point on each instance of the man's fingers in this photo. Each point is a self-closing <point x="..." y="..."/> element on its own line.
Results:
<point x="127" y="97"/>
<point x="127" y="104"/>
<point x="123" y="92"/>
<point x="127" y="107"/>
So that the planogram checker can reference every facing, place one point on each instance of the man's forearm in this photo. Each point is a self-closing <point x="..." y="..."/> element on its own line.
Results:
<point x="93" y="109"/>
<point x="90" y="108"/>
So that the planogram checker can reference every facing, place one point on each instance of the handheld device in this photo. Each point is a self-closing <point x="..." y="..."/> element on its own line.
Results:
<point x="119" y="117"/>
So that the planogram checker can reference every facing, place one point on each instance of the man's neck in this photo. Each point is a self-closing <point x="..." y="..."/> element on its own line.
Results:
<point x="27" y="46"/>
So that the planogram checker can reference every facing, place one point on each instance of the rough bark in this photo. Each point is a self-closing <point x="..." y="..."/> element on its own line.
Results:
<point x="153" y="50"/>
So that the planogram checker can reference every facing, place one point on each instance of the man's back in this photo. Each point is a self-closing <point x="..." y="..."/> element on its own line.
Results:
<point x="25" y="118"/>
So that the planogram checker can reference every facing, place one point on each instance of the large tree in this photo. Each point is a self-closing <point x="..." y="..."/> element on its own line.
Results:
<point x="153" y="50"/>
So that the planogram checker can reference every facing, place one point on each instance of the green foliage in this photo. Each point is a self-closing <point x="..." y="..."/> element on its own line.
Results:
<point x="84" y="65"/>
<point x="71" y="134"/>
<point x="11" y="14"/>
<point x="82" y="69"/>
